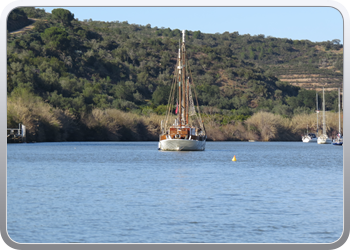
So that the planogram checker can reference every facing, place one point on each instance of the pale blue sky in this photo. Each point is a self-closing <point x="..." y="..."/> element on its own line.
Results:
<point x="316" y="24"/>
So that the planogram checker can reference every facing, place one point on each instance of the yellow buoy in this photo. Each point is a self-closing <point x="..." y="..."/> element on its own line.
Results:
<point x="234" y="158"/>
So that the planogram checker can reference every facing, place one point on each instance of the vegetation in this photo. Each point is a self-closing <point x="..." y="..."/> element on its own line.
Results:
<point x="17" y="19"/>
<point x="88" y="80"/>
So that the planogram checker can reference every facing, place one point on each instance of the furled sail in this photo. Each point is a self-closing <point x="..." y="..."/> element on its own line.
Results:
<point x="192" y="110"/>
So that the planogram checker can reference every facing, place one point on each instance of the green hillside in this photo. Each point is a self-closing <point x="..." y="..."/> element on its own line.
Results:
<point x="78" y="66"/>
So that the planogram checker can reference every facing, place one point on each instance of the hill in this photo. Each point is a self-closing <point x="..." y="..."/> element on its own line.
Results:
<point x="77" y="66"/>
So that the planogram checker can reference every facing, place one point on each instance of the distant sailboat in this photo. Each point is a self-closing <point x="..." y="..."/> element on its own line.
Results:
<point x="311" y="137"/>
<point x="323" y="139"/>
<point x="317" y="112"/>
<point x="339" y="140"/>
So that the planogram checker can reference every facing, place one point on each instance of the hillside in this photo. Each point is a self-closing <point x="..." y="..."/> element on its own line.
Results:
<point x="17" y="20"/>
<point x="76" y="67"/>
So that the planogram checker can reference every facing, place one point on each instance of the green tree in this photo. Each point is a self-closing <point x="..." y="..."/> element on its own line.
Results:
<point x="34" y="12"/>
<point x="63" y="16"/>
<point x="123" y="91"/>
<point x="40" y="26"/>
<point x="197" y="35"/>
<point x="55" y="38"/>
<point x="161" y="95"/>
<point x="16" y="15"/>
<point x="261" y="54"/>
<point x="16" y="19"/>
<point x="251" y="53"/>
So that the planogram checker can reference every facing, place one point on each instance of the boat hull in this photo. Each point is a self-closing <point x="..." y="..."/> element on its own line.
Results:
<point x="324" y="140"/>
<point x="338" y="143"/>
<point x="309" y="140"/>
<point x="181" y="145"/>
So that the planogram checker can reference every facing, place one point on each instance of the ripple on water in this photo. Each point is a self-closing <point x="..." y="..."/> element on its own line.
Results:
<point x="132" y="193"/>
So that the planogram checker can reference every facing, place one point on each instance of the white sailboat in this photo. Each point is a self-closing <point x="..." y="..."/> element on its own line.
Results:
<point x="311" y="137"/>
<point x="339" y="140"/>
<point x="323" y="139"/>
<point x="317" y="112"/>
<point x="187" y="133"/>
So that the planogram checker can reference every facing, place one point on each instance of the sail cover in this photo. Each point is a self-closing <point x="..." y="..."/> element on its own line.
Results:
<point x="192" y="110"/>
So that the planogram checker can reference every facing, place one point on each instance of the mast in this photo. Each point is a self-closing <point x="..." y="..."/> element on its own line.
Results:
<point x="339" y="107"/>
<point x="186" y="81"/>
<point x="187" y="99"/>
<point x="324" y="114"/>
<point x="179" y="70"/>
<point x="317" y="111"/>
<point x="183" y="78"/>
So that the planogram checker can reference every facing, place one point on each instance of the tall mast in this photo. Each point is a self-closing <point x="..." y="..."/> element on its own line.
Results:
<point x="324" y="114"/>
<point x="183" y="78"/>
<point x="185" y="81"/>
<point x="317" y="111"/>
<point x="339" y="107"/>
<point x="187" y="98"/>
<point x="179" y="80"/>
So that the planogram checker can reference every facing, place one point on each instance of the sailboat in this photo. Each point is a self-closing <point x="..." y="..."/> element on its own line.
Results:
<point x="339" y="140"/>
<point x="311" y="137"/>
<point x="187" y="132"/>
<point x="323" y="139"/>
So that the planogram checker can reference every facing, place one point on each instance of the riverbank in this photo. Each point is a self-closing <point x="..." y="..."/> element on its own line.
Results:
<point x="47" y="124"/>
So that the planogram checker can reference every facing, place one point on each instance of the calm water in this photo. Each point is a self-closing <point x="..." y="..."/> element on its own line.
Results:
<point x="129" y="192"/>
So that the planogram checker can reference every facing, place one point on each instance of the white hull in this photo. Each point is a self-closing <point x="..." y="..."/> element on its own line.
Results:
<point x="307" y="139"/>
<point x="323" y="140"/>
<point x="181" y="145"/>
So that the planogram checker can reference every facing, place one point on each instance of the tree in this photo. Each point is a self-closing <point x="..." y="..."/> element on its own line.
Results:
<point x="55" y="38"/>
<point x="17" y="14"/>
<point x="34" y="12"/>
<point x="40" y="25"/>
<point x="123" y="91"/>
<point x="161" y="95"/>
<point x="197" y="35"/>
<point x="16" y="19"/>
<point x="261" y="55"/>
<point x="62" y="15"/>
<point x="251" y="53"/>
<point x="336" y="41"/>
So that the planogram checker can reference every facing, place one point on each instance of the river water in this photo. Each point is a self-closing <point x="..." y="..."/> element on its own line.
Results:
<point x="129" y="192"/>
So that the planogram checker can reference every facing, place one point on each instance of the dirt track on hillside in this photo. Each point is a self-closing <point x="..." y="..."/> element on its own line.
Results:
<point x="29" y="27"/>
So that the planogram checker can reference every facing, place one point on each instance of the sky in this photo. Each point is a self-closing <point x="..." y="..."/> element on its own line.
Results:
<point x="316" y="24"/>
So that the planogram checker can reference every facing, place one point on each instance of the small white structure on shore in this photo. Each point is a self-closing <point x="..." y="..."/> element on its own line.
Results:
<point x="17" y="134"/>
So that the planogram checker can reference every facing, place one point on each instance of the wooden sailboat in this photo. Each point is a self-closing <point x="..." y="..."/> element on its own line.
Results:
<point x="323" y="139"/>
<point x="339" y="140"/>
<point x="186" y="132"/>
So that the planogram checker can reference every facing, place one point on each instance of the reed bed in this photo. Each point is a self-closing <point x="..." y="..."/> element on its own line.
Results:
<point x="45" y="123"/>
<point x="299" y="123"/>
<point x="42" y="122"/>
<point x="116" y="125"/>
<point x="265" y="126"/>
